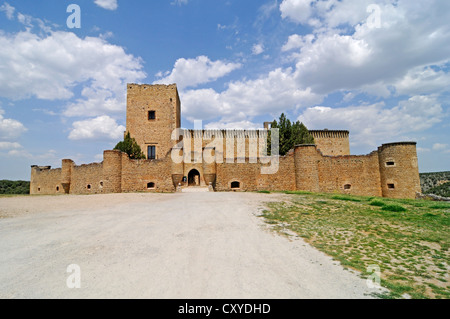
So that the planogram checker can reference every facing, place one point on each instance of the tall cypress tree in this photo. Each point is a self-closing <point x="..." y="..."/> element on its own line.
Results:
<point x="131" y="147"/>
<point x="290" y="135"/>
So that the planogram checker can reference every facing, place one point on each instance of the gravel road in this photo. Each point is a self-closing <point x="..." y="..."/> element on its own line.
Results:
<point x="193" y="245"/>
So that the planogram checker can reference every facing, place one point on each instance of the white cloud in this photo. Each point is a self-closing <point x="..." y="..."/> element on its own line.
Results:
<point x="192" y="72"/>
<point x="8" y="9"/>
<point x="50" y="66"/>
<point x="257" y="49"/>
<point x="102" y="127"/>
<point x="296" y="41"/>
<point x="440" y="147"/>
<point x="242" y="125"/>
<point x="107" y="4"/>
<point x="423" y="80"/>
<point x="9" y="145"/>
<point x="297" y="10"/>
<point x="10" y="129"/>
<point x="374" y="124"/>
<point x="273" y="93"/>
<point x="179" y="2"/>
<point x="349" y="53"/>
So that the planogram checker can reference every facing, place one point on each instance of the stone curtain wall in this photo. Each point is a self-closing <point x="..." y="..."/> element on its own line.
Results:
<point x="392" y="171"/>
<point x="137" y="174"/>
<point x="327" y="166"/>
<point x="86" y="179"/>
<point x="356" y="175"/>
<point x="45" y="181"/>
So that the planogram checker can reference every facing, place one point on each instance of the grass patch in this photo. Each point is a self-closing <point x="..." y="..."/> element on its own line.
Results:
<point x="394" y="208"/>
<point x="440" y="206"/>
<point x="378" y="203"/>
<point x="407" y="239"/>
<point x="263" y="192"/>
<point x="347" y="198"/>
<point x="298" y="193"/>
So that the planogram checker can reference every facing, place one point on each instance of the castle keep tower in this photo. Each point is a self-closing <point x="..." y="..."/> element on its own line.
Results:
<point x="153" y="112"/>
<point x="332" y="143"/>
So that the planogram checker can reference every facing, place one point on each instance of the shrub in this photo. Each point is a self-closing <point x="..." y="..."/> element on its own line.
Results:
<point x="394" y="208"/>
<point x="344" y="197"/>
<point x="378" y="203"/>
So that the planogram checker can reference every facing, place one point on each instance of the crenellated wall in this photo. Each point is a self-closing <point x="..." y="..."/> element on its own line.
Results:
<point x="326" y="166"/>
<point x="332" y="143"/>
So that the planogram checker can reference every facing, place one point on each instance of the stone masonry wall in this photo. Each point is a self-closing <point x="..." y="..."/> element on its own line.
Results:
<point x="87" y="179"/>
<point x="251" y="178"/>
<point x="332" y="143"/>
<point x="165" y="102"/>
<point x="137" y="174"/>
<point x="45" y="181"/>
<point x="356" y="175"/>
<point x="399" y="170"/>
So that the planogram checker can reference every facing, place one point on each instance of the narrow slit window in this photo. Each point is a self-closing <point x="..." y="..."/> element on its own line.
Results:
<point x="151" y="115"/>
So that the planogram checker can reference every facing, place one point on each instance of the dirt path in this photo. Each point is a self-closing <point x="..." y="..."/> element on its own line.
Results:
<point x="198" y="245"/>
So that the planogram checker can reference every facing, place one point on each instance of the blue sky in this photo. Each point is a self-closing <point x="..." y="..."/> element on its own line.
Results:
<point x="379" y="69"/>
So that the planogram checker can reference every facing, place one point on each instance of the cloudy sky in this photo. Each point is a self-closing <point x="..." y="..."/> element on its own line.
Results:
<point x="378" y="68"/>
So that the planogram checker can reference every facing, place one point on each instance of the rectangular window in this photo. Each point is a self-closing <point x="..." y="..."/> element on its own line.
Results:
<point x="151" y="115"/>
<point x="390" y="163"/>
<point x="151" y="152"/>
<point x="391" y="186"/>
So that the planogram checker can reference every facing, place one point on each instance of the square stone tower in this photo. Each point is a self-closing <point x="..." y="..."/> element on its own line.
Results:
<point x="153" y="113"/>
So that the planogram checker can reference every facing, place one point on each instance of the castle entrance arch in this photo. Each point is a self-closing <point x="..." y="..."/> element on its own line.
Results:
<point x="194" y="178"/>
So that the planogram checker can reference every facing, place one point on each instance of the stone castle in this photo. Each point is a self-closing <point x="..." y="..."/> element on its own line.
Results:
<point x="178" y="159"/>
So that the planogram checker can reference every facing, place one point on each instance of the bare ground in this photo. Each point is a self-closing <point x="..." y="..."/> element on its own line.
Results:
<point x="195" y="245"/>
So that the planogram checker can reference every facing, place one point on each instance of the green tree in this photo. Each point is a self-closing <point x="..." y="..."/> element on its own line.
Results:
<point x="290" y="134"/>
<point x="131" y="147"/>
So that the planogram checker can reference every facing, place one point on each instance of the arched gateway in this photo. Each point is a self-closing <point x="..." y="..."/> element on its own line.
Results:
<point x="194" y="178"/>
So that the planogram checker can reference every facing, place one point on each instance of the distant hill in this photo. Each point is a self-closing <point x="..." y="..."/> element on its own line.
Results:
<point x="14" y="187"/>
<point x="442" y="190"/>
<point x="436" y="183"/>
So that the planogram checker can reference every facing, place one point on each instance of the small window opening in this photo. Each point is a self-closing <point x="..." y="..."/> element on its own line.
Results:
<point x="151" y="115"/>
<point x="391" y="186"/>
<point x="347" y="186"/>
<point x="390" y="163"/>
<point x="151" y="152"/>
<point x="150" y="185"/>
<point x="89" y="186"/>
<point x="39" y="189"/>
<point x="57" y="188"/>
<point x="101" y="184"/>
<point x="235" y="185"/>
<point x="171" y="100"/>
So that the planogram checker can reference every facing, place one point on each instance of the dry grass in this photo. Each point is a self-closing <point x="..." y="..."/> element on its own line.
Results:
<point x="408" y="239"/>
